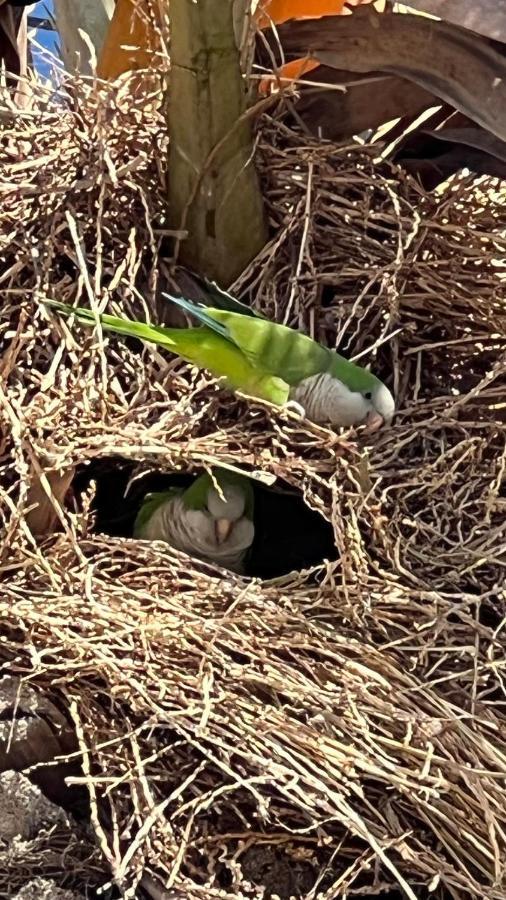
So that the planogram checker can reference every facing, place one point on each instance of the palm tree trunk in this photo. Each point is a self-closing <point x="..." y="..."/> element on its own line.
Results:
<point x="213" y="186"/>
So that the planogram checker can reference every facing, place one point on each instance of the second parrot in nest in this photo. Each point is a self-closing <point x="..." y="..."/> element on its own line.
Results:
<point x="212" y="519"/>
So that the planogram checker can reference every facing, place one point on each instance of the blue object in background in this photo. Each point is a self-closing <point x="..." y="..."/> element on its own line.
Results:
<point x="48" y="40"/>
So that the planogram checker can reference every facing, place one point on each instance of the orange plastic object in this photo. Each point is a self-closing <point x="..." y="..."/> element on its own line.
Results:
<point x="278" y="11"/>
<point x="130" y="42"/>
<point x="132" y="38"/>
<point x="288" y="73"/>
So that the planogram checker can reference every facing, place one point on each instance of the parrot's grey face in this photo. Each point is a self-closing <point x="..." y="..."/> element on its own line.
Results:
<point x="225" y="510"/>
<point x="372" y="408"/>
<point x="222" y="526"/>
<point x="218" y="538"/>
<point x="326" y="399"/>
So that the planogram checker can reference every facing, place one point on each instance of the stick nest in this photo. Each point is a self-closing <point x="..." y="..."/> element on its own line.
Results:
<point x="336" y="731"/>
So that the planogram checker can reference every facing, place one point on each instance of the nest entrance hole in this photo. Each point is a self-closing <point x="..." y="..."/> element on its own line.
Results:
<point x="288" y="534"/>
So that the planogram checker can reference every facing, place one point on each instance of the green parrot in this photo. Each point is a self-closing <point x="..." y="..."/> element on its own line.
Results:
<point x="263" y="359"/>
<point x="216" y="526"/>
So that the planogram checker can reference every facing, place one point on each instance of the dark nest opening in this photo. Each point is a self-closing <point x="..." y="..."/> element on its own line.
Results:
<point x="289" y="536"/>
<point x="351" y="717"/>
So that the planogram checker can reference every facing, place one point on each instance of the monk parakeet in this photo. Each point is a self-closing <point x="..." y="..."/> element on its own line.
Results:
<point x="263" y="359"/>
<point x="214" y="525"/>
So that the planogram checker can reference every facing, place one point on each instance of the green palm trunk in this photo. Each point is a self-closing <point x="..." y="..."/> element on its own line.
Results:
<point x="214" y="192"/>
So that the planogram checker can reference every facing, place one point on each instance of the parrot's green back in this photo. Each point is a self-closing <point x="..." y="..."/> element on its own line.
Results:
<point x="272" y="347"/>
<point x="288" y="354"/>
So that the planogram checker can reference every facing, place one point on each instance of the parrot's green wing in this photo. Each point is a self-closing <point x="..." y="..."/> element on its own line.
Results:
<point x="264" y="343"/>
<point x="289" y="354"/>
<point x="277" y="349"/>
<point x="195" y="496"/>
<point x="207" y="347"/>
<point x="150" y="504"/>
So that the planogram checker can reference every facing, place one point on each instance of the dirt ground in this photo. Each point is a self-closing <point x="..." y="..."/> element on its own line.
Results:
<point x="24" y="813"/>
<point x="43" y="846"/>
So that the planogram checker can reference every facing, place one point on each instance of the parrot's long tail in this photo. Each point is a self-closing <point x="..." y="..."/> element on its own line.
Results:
<point x="204" y="347"/>
<point x="156" y="334"/>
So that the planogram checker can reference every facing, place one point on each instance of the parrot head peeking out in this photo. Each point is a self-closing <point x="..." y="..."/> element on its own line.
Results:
<point x="212" y="519"/>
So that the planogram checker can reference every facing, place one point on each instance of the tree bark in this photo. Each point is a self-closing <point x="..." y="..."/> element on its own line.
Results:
<point x="214" y="192"/>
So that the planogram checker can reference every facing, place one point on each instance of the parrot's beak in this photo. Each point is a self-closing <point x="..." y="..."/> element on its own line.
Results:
<point x="374" y="421"/>
<point x="222" y="527"/>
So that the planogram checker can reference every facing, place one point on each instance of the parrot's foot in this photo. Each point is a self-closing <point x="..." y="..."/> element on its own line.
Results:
<point x="296" y="408"/>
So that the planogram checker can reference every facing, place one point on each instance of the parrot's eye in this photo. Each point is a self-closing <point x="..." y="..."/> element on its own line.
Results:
<point x="368" y="395"/>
